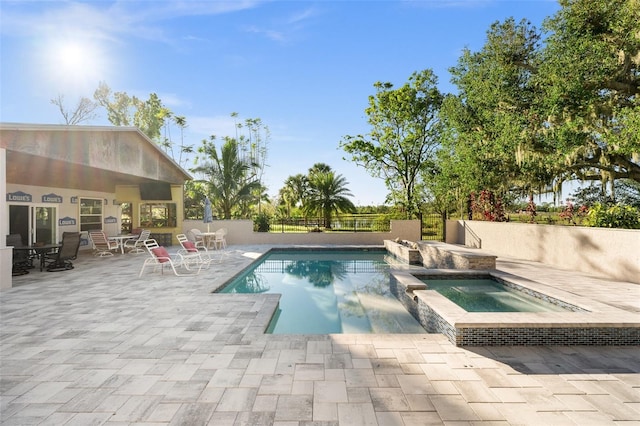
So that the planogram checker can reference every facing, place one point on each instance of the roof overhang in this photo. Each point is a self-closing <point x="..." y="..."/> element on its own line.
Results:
<point x="84" y="157"/>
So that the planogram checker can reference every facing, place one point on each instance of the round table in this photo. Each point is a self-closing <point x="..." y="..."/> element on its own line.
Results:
<point x="120" y="239"/>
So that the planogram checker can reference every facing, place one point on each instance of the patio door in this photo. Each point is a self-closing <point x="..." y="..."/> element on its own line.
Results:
<point x="36" y="224"/>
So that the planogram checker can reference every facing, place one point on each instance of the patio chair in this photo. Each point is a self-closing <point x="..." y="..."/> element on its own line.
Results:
<point x="101" y="244"/>
<point x="61" y="261"/>
<point x="191" y="248"/>
<point x="198" y="238"/>
<point x="22" y="261"/>
<point x="220" y="239"/>
<point x="136" y="245"/>
<point x="160" y="257"/>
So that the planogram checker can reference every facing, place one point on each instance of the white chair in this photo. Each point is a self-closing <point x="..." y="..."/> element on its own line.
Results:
<point x="136" y="245"/>
<point x="160" y="257"/>
<point x="220" y="239"/>
<point x="102" y="246"/>
<point x="198" y="238"/>
<point x="189" y="248"/>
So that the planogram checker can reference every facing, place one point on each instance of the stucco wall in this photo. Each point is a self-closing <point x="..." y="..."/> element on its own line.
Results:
<point x="610" y="253"/>
<point x="111" y="208"/>
<point x="241" y="232"/>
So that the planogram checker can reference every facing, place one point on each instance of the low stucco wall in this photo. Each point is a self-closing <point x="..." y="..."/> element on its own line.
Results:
<point x="610" y="253"/>
<point x="241" y="232"/>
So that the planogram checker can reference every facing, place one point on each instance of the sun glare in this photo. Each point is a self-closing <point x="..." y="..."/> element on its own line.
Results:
<point x="75" y="65"/>
<point x="72" y="58"/>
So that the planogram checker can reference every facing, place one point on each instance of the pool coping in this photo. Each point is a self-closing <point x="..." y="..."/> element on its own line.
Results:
<point x="595" y="322"/>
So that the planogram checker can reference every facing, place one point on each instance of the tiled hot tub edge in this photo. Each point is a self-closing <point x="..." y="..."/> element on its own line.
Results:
<point x="437" y="314"/>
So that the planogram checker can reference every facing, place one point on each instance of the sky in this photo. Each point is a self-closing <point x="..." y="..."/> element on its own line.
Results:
<point x="305" y="68"/>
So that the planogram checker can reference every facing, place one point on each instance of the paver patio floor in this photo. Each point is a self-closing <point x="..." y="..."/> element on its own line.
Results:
<point x="98" y="345"/>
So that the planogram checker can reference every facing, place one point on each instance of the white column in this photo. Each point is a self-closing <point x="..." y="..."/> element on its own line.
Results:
<point x="6" y="254"/>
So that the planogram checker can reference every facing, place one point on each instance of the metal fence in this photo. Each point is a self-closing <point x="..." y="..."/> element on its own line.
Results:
<point x="432" y="224"/>
<point x="350" y="266"/>
<point x="341" y="223"/>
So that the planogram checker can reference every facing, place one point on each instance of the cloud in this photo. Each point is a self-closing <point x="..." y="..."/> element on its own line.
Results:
<point x="286" y="28"/>
<point x="107" y="21"/>
<point x="220" y="126"/>
<point x="172" y="100"/>
<point x="303" y="15"/>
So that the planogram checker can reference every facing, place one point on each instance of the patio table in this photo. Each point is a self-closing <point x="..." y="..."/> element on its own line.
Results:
<point x="120" y="239"/>
<point x="40" y="251"/>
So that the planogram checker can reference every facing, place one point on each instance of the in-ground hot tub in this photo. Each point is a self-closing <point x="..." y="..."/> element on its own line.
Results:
<point x="574" y="320"/>
<point x="484" y="293"/>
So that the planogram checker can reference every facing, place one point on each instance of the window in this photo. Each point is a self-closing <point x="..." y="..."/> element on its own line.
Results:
<point x="126" y="210"/>
<point x="90" y="214"/>
<point x="158" y="215"/>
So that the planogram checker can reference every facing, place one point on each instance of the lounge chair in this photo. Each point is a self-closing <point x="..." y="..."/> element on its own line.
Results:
<point x="160" y="257"/>
<point x="61" y="261"/>
<point x="136" y="245"/>
<point x="101" y="244"/>
<point x="191" y="248"/>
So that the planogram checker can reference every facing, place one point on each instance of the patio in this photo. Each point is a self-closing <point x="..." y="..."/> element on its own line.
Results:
<point x="98" y="345"/>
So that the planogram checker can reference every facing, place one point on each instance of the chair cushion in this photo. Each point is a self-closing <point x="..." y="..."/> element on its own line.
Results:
<point x="161" y="254"/>
<point x="190" y="247"/>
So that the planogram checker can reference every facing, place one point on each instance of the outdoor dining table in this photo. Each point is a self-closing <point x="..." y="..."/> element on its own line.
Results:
<point x="40" y="251"/>
<point x="120" y="239"/>
<point x="208" y="237"/>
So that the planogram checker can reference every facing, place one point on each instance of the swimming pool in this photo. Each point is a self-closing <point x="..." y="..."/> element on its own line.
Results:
<point x="327" y="291"/>
<point x="479" y="294"/>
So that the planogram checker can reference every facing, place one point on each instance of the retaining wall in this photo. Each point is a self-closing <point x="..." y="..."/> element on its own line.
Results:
<point x="241" y="232"/>
<point x="603" y="252"/>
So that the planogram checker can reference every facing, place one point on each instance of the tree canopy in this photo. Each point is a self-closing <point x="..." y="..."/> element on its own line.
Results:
<point x="536" y="108"/>
<point x="404" y="136"/>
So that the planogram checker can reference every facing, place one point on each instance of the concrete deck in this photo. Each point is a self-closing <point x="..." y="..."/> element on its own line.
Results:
<point x="98" y="345"/>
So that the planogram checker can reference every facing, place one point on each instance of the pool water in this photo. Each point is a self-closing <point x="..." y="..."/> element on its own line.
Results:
<point x="487" y="295"/>
<point x="325" y="292"/>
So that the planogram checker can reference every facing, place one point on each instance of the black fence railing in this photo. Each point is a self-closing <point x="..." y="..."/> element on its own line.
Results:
<point x="301" y="266"/>
<point x="433" y="226"/>
<point x="342" y="223"/>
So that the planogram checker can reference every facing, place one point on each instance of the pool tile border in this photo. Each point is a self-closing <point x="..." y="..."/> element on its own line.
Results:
<point x="588" y="323"/>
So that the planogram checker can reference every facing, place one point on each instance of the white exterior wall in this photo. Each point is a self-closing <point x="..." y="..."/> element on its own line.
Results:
<point x="67" y="209"/>
<point x="6" y="254"/>
<point x="241" y="232"/>
<point x="610" y="253"/>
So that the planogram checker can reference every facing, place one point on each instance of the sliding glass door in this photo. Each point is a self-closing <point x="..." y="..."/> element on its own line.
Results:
<point x="34" y="223"/>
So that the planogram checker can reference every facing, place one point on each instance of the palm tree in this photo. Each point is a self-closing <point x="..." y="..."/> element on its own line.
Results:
<point x="319" y="168"/>
<point x="294" y="191"/>
<point x="328" y="194"/>
<point x="230" y="183"/>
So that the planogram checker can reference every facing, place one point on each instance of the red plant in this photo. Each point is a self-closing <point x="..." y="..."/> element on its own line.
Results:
<point x="569" y="213"/>
<point x="531" y="210"/>
<point x="487" y="207"/>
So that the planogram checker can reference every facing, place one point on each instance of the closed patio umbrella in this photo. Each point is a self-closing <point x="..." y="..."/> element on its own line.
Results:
<point x="208" y="215"/>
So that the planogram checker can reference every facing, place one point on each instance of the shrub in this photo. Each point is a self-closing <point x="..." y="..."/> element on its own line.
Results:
<point x="615" y="216"/>
<point x="262" y="223"/>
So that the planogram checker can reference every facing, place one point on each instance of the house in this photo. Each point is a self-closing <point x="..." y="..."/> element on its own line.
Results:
<point x="61" y="178"/>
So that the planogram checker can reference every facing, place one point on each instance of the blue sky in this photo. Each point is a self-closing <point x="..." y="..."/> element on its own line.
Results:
<point x="306" y="68"/>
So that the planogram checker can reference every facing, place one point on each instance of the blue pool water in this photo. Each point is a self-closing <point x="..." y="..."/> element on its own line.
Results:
<point x="487" y="295"/>
<point x="325" y="292"/>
